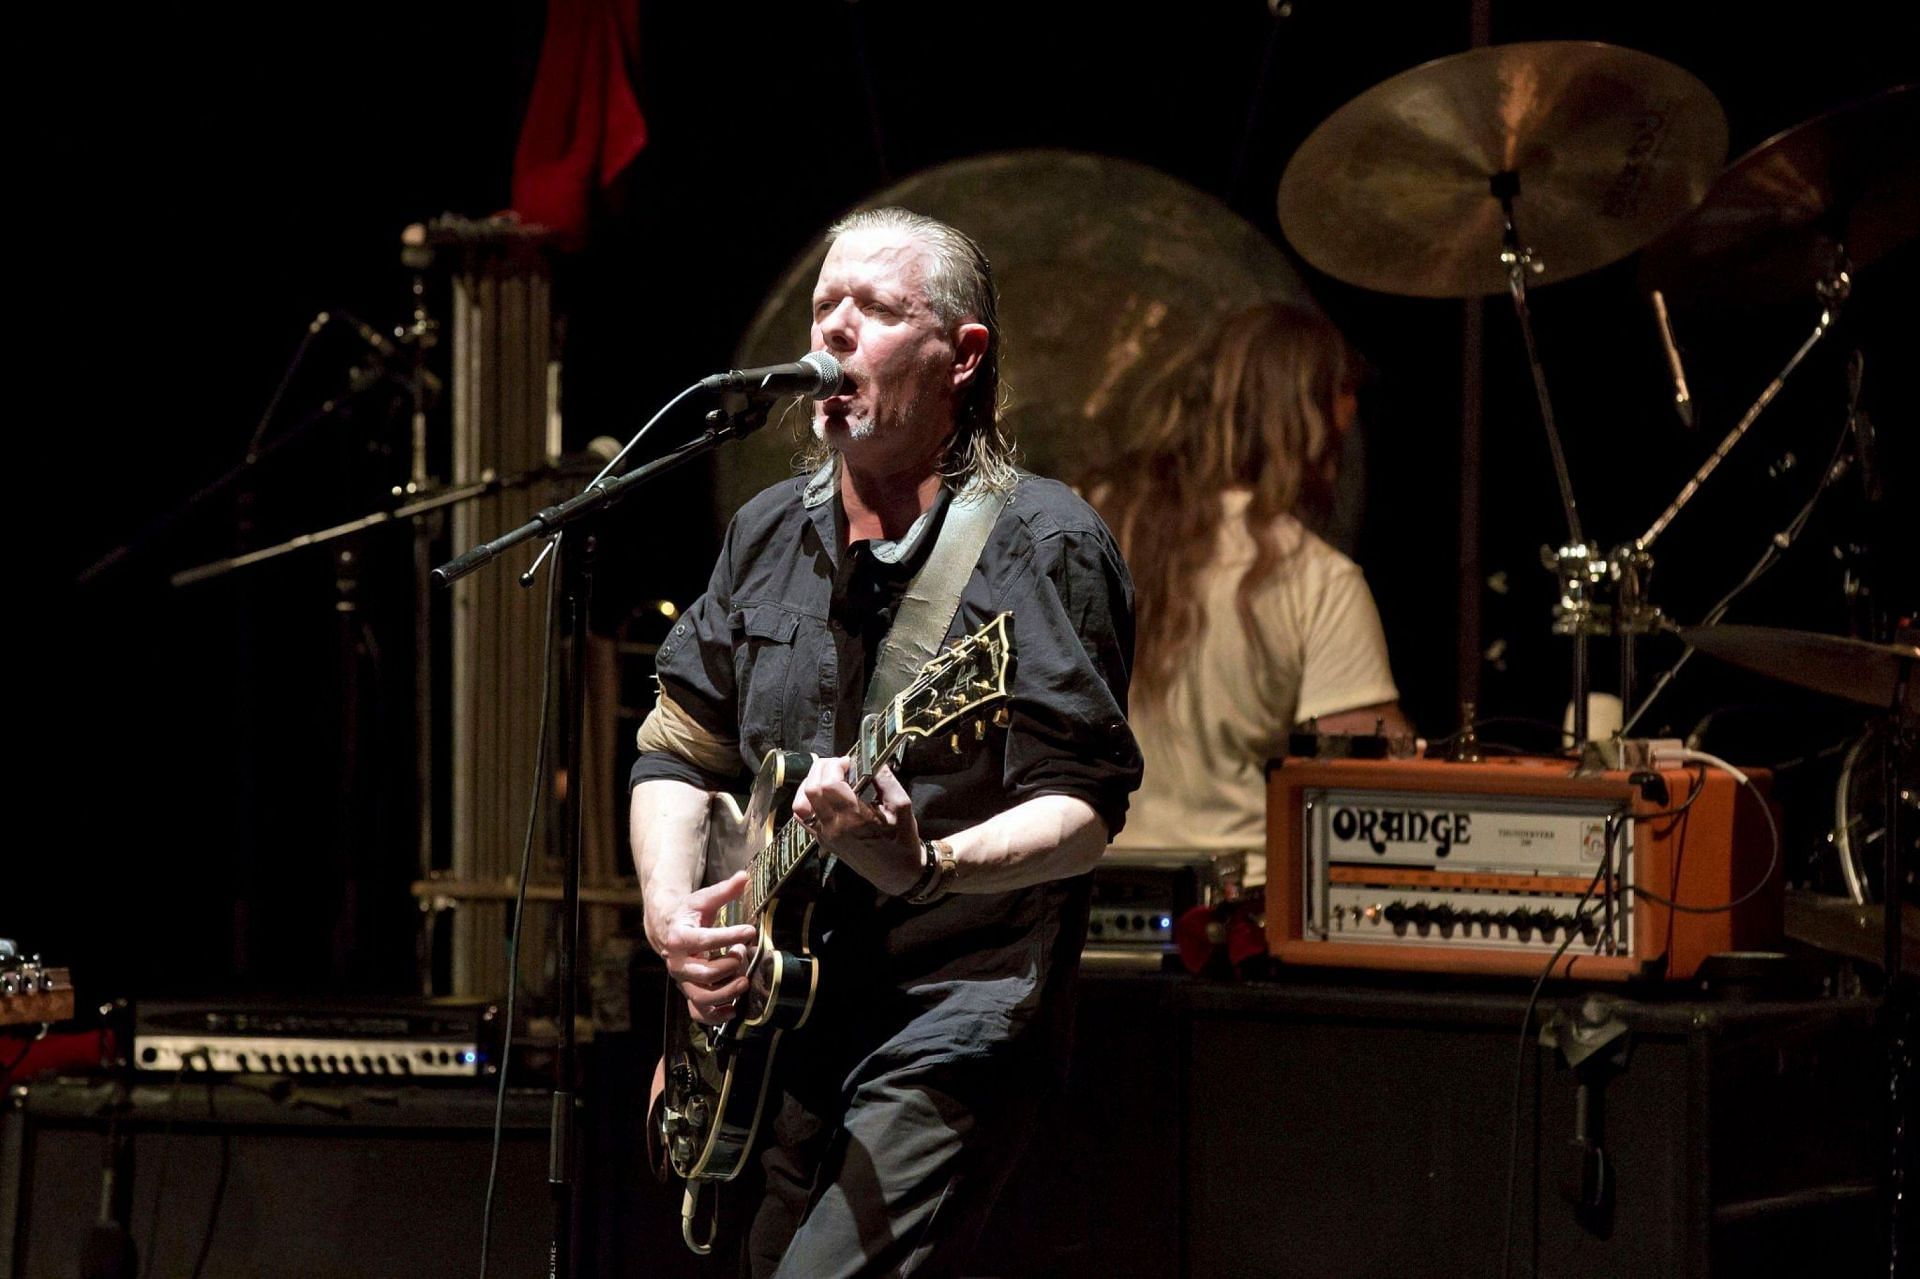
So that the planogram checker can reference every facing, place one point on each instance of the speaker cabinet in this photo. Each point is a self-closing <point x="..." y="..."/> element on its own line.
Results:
<point x="323" y="1182"/>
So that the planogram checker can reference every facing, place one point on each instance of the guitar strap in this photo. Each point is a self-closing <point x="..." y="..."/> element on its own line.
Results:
<point x="933" y="596"/>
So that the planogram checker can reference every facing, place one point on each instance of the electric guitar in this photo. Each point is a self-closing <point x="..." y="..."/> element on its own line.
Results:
<point x="710" y="1087"/>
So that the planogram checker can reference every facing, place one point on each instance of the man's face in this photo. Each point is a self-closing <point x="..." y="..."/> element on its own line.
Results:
<point x="872" y="314"/>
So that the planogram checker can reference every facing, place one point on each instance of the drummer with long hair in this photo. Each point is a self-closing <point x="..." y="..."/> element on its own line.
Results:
<point x="1249" y="622"/>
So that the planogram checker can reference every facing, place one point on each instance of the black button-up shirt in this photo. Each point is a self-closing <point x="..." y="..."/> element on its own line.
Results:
<point x="778" y="653"/>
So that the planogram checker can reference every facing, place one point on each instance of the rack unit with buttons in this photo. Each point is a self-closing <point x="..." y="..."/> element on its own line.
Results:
<point x="417" y="1039"/>
<point x="1495" y="866"/>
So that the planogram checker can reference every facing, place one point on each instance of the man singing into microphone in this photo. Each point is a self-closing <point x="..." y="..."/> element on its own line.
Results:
<point x="959" y="904"/>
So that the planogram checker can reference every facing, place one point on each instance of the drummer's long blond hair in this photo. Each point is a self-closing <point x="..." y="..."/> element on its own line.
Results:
<point x="1249" y="405"/>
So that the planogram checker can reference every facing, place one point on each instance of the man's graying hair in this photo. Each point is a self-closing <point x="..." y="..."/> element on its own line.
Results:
<point x="960" y="288"/>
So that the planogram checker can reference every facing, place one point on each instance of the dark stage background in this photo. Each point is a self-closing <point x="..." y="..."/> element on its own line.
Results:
<point x="199" y="185"/>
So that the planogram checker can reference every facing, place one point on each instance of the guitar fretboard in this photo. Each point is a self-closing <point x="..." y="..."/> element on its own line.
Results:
<point x="961" y="679"/>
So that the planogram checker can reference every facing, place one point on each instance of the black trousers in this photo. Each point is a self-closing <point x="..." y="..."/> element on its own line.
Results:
<point x="892" y="1172"/>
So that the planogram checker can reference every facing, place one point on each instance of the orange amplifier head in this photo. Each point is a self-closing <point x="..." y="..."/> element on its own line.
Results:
<point x="1491" y="866"/>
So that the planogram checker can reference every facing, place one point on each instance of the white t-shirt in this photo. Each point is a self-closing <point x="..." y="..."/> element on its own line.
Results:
<point x="1320" y="650"/>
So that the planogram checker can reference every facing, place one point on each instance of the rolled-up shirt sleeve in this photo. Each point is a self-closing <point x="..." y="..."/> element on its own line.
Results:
<point x="1072" y="606"/>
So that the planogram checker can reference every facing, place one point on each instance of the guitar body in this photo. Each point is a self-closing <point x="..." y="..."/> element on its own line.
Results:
<point x="709" y="1091"/>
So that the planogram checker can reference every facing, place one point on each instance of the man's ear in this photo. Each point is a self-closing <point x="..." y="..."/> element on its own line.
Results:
<point x="970" y="343"/>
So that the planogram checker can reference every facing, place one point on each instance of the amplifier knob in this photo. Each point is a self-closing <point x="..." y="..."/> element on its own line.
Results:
<point x="1418" y="914"/>
<point x="1443" y="915"/>
<point x="1589" y="927"/>
<point x="1519" y="920"/>
<point x="1544" y="921"/>
<point x="1397" y="913"/>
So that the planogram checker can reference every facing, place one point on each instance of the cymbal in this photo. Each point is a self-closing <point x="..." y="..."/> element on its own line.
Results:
<point x="1849" y="178"/>
<point x="1392" y="191"/>
<point x="1105" y="267"/>
<point x="1857" y="670"/>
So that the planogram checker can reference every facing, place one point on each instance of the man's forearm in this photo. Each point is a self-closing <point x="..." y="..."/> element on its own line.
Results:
<point x="1047" y="837"/>
<point x="668" y="824"/>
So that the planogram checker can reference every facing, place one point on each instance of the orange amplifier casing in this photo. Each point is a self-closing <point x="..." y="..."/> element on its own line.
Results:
<point x="1481" y="867"/>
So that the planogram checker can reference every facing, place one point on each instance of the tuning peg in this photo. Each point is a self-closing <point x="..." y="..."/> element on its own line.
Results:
<point x="979" y="731"/>
<point x="1002" y="718"/>
<point x="954" y="741"/>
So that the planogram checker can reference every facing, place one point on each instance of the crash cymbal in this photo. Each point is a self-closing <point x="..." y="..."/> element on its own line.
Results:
<point x="1394" y="190"/>
<point x="1104" y="266"/>
<point x="1847" y="179"/>
<point x="1857" y="670"/>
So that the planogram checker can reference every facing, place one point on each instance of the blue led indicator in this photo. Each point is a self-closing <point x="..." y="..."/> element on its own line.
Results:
<point x="1166" y="921"/>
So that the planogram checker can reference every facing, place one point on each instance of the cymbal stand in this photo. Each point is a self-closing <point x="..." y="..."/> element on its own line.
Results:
<point x="1577" y="563"/>
<point x="1630" y="564"/>
<point x="1832" y="289"/>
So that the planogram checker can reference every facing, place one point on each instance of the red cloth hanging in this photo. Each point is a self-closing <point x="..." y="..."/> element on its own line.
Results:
<point x="583" y="123"/>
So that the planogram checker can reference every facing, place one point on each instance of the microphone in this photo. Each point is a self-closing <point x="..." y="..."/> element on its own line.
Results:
<point x="378" y="341"/>
<point x="814" y="374"/>
<point x="1682" y="401"/>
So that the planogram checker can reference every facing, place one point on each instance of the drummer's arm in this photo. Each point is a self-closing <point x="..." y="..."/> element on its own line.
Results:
<point x="1381" y="717"/>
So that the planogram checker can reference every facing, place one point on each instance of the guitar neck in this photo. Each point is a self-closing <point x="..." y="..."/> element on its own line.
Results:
<point x="956" y="685"/>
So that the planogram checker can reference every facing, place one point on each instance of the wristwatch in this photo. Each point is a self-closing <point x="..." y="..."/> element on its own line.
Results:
<point x="938" y="866"/>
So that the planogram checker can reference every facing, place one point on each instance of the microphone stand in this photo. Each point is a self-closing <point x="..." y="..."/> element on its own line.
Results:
<point x="738" y="417"/>
<point x="256" y="454"/>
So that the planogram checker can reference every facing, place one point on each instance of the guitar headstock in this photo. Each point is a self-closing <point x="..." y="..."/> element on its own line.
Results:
<point x="31" y="992"/>
<point x="962" y="680"/>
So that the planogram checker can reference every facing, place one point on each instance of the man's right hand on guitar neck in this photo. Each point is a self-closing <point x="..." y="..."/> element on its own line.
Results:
<point x="709" y="963"/>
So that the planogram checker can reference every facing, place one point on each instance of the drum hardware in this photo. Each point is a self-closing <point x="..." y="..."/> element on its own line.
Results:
<point x="1599" y="148"/>
<point x="1860" y="824"/>
<point x="1875" y="675"/>
<point x="1841" y="186"/>
<point x="1419" y="187"/>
